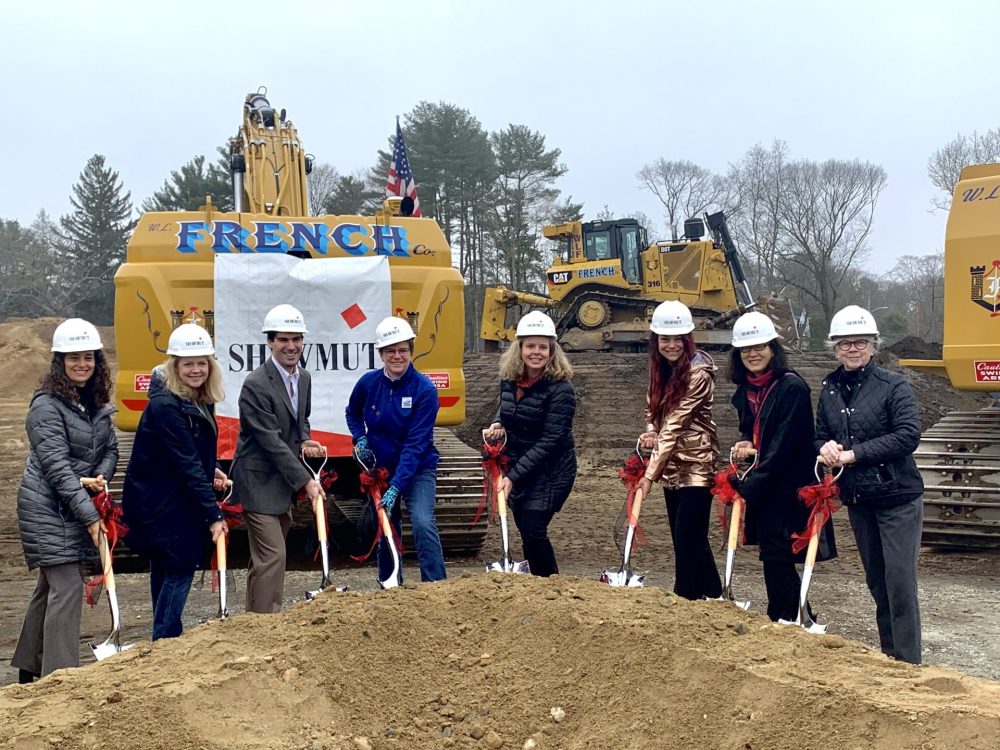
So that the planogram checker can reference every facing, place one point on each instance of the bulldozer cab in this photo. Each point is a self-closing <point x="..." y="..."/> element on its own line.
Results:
<point x="618" y="239"/>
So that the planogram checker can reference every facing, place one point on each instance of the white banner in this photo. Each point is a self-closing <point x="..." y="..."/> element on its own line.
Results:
<point x="342" y="301"/>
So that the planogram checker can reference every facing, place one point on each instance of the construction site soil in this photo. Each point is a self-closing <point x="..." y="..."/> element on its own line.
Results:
<point x="503" y="661"/>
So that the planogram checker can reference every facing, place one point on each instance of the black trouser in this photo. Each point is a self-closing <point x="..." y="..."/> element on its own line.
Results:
<point x="783" y="585"/>
<point x="889" y="544"/>
<point x="534" y="528"/>
<point x="695" y="572"/>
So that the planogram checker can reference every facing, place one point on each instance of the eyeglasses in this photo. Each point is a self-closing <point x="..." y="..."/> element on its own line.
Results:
<point x="399" y="351"/>
<point x="755" y="348"/>
<point x="846" y="346"/>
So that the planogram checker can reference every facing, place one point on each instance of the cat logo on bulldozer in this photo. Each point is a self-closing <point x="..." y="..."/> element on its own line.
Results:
<point x="557" y="278"/>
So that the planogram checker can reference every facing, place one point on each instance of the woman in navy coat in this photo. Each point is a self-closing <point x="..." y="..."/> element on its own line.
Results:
<point x="169" y="496"/>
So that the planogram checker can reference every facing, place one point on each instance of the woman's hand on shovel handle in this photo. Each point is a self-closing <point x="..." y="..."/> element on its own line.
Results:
<point x="506" y="486"/>
<point x="644" y="486"/>
<point x="647" y="441"/>
<point x="217" y="529"/>
<point x="95" y="529"/>
<point x="494" y="432"/>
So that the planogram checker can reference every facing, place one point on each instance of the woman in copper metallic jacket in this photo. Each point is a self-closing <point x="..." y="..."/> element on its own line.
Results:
<point x="682" y="435"/>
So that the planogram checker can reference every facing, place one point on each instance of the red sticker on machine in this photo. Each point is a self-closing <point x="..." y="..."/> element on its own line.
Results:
<point x="142" y="382"/>
<point x="441" y="380"/>
<point x="987" y="370"/>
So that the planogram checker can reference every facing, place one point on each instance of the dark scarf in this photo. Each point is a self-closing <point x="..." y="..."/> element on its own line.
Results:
<point x="759" y="387"/>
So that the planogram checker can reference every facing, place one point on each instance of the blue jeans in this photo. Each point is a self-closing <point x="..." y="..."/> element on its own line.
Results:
<point x="420" y="507"/>
<point x="169" y="587"/>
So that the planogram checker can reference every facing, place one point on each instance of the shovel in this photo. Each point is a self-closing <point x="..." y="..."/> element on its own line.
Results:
<point x="385" y="525"/>
<point x="505" y="564"/>
<point x="113" y="644"/>
<point x="625" y="576"/>
<point x="804" y="619"/>
<point x="220" y="557"/>
<point x="733" y="541"/>
<point x="324" y="547"/>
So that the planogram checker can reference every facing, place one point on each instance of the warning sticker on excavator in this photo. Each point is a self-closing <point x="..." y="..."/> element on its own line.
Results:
<point x="987" y="370"/>
<point x="441" y="380"/>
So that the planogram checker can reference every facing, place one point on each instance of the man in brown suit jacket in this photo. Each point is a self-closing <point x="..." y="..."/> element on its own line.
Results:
<point x="267" y="472"/>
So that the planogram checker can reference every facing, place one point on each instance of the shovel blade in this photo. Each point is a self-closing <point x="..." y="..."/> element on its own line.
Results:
<point x="109" y="648"/>
<point x="507" y="566"/>
<point x="624" y="578"/>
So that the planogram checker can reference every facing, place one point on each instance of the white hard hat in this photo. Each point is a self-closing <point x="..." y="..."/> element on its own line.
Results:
<point x="852" y="321"/>
<point x="284" y="318"/>
<point x="190" y="340"/>
<point x="753" y="328"/>
<point x="76" y="335"/>
<point x="672" y="318"/>
<point x="536" y="323"/>
<point x="392" y="330"/>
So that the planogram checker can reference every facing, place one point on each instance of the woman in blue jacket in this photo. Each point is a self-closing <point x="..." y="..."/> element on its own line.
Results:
<point x="169" y="496"/>
<point x="391" y="415"/>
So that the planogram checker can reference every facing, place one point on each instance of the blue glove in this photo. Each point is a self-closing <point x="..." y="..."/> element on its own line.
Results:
<point x="390" y="497"/>
<point x="363" y="453"/>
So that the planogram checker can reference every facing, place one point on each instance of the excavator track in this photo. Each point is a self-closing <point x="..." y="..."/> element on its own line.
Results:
<point x="459" y="490"/>
<point x="959" y="460"/>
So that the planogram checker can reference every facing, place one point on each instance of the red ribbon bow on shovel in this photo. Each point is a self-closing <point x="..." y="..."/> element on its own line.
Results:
<point x="111" y="516"/>
<point x="374" y="482"/>
<point x="495" y="464"/>
<point x="822" y="500"/>
<point x="631" y="473"/>
<point x="725" y="495"/>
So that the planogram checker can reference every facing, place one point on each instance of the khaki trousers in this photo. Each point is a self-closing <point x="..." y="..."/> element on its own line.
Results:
<point x="266" y="572"/>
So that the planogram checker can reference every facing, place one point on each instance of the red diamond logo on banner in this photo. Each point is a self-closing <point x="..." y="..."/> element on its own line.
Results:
<point x="353" y="316"/>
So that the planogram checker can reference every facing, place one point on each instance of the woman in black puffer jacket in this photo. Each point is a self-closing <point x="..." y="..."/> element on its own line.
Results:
<point x="537" y="404"/>
<point x="71" y="438"/>
<point x="867" y="422"/>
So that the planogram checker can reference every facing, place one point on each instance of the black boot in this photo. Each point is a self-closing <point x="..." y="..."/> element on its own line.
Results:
<point x="25" y="677"/>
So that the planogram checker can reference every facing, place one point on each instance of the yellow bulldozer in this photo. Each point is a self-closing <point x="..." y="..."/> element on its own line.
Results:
<point x="959" y="457"/>
<point x="171" y="273"/>
<point x="607" y="278"/>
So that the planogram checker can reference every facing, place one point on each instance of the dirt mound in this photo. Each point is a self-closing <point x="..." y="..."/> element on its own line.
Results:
<point x="25" y="345"/>
<point x="912" y="347"/>
<point x="494" y="661"/>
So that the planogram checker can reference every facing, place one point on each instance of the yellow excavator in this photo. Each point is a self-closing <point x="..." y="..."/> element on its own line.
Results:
<point x="168" y="278"/>
<point x="959" y="457"/>
<point x="605" y="282"/>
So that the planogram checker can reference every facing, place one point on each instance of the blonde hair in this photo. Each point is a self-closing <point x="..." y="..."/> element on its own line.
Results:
<point x="512" y="366"/>
<point x="210" y="392"/>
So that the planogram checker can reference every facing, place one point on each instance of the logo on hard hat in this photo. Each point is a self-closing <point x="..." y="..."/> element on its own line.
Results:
<point x="986" y="287"/>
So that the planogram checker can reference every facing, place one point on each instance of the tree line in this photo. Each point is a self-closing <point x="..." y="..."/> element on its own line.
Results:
<point x="804" y="226"/>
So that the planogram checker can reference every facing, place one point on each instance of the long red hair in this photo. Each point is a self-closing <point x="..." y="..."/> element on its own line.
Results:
<point x="668" y="382"/>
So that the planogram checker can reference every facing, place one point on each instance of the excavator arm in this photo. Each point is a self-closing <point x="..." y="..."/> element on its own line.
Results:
<point x="497" y="300"/>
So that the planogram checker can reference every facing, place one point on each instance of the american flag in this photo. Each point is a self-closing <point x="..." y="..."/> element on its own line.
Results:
<point x="400" y="180"/>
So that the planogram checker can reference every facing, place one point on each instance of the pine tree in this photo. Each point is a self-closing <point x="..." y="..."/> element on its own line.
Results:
<point x="186" y="189"/>
<point x="92" y="241"/>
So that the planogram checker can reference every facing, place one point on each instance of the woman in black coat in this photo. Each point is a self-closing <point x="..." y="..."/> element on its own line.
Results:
<point x="71" y="439"/>
<point x="537" y="404"/>
<point x="169" y="496"/>
<point x="776" y="419"/>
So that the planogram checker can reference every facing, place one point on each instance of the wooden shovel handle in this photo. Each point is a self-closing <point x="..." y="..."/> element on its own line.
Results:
<point x="106" y="567"/>
<point x="734" y="524"/>
<point x="813" y="547"/>
<point x="321" y="520"/>
<point x="501" y="499"/>
<point x="220" y="553"/>
<point x="636" y="507"/>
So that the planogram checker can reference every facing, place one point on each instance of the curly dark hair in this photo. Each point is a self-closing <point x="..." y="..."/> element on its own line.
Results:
<point x="95" y="394"/>
<point x="779" y="363"/>
<point x="668" y="383"/>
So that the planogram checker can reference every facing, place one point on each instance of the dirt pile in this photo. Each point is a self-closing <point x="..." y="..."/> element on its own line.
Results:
<point x="491" y="661"/>
<point x="912" y="347"/>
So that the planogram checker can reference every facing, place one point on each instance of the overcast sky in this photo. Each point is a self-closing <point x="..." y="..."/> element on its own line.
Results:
<point x="614" y="85"/>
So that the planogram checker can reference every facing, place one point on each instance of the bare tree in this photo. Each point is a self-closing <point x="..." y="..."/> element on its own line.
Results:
<point x="323" y="182"/>
<point x="684" y="188"/>
<point x="945" y="165"/>
<point x="826" y="214"/>
<point x="917" y="284"/>
<point x="756" y="192"/>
